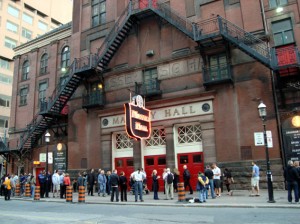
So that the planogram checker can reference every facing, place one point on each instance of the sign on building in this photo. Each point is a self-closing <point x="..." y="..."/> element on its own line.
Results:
<point x="137" y="118"/>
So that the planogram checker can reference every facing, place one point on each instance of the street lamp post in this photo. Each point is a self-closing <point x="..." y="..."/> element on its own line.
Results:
<point x="262" y="110"/>
<point x="47" y="140"/>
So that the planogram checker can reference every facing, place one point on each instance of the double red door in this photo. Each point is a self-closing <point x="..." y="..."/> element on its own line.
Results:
<point x="126" y="165"/>
<point x="145" y="3"/>
<point x="194" y="162"/>
<point x="157" y="162"/>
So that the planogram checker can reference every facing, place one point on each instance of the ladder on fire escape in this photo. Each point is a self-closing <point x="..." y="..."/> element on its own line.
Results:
<point x="200" y="32"/>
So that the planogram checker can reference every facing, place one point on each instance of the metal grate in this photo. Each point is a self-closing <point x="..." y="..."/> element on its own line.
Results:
<point x="158" y="138"/>
<point x="189" y="134"/>
<point x="123" y="141"/>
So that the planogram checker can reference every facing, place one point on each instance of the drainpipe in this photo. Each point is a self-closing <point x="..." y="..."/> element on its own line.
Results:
<point x="279" y="129"/>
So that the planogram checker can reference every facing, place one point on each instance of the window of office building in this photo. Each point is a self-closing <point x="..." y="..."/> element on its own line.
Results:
<point x="283" y="32"/>
<point x="98" y="12"/>
<point x="4" y="64"/>
<point x="4" y="101"/>
<point x="42" y="26"/>
<point x="25" y="70"/>
<point x="44" y="64"/>
<point x="5" y="79"/>
<point x="27" y="18"/>
<point x="26" y="33"/>
<point x="276" y="3"/>
<point x="13" y="11"/>
<point x="10" y="26"/>
<point x="23" y="96"/>
<point x="10" y="43"/>
<point x="65" y="57"/>
<point x="4" y="122"/>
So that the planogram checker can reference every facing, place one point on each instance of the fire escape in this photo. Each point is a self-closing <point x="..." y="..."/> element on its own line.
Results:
<point x="206" y="33"/>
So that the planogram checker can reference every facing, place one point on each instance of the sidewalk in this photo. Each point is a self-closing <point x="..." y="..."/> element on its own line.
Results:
<point x="239" y="199"/>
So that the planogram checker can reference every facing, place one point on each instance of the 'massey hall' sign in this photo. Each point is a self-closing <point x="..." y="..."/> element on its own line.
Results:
<point x="137" y="119"/>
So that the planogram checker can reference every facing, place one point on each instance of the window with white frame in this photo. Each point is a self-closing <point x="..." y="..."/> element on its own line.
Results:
<point x="4" y="101"/>
<point x="12" y="27"/>
<point x="157" y="138"/>
<point x="13" y="11"/>
<point x="65" y="57"/>
<point x="10" y="43"/>
<point x="42" y="26"/>
<point x="4" y="64"/>
<point x="42" y="92"/>
<point x="5" y="79"/>
<point x="27" y="18"/>
<point x="26" y="33"/>
<point x="123" y="141"/>
<point x="189" y="133"/>
<point x="4" y="122"/>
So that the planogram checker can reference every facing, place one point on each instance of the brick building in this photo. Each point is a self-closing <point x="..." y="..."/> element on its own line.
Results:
<point x="201" y="66"/>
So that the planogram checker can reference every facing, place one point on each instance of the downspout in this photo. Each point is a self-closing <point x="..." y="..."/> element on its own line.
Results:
<point x="279" y="129"/>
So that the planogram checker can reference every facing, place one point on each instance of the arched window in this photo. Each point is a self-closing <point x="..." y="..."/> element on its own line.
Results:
<point x="65" y="57"/>
<point x="25" y="70"/>
<point x="44" y="64"/>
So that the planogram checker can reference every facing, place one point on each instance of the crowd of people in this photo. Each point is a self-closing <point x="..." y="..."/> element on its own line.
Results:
<point x="209" y="183"/>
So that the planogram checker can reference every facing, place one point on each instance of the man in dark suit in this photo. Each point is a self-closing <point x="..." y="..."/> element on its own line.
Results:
<point x="91" y="181"/>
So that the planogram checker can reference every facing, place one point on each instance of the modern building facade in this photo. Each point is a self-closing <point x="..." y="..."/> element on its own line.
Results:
<point x="20" y="22"/>
<point x="202" y="68"/>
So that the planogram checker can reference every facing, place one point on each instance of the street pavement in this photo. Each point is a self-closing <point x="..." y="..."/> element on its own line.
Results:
<point x="239" y="199"/>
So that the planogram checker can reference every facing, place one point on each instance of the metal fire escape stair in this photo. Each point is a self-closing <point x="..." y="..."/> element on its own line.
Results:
<point x="78" y="70"/>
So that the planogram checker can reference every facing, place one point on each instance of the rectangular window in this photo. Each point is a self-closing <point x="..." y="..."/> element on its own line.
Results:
<point x="4" y="101"/>
<point x="4" y="122"/>
<point x="283" y="32"/>
<point x="98" y="12"/>
<point x="42" y="92"/>
<point x="27" y="18"/>
<point x="13" y="11"/>
<point x="26" y="33"/>
<point x="10" y="43"/>
<point x="4" y="64"/>
<point x="12" y="27"/>
<point x="5" y="79"/>
<point x="23" y="96"/>
<point x="218" y="67"/>
<point x="42" y="26"/>
<point x="276" y="3"/>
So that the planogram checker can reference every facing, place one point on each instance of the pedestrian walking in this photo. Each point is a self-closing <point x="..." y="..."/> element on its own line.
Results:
<point x="255" y="180"/>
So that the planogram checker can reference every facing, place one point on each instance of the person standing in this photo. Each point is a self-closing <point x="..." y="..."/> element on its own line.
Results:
<point x="7" y="188"/>
<point x="176" y="179"/>
<point x="114" y="183"/>
<point x="108" y="186"/>
<point x="123" y="186"/>
<point x="155" y="185"/>
<point x="42" y="181"/>
<point x="62" y="186"/>
<point x="80" y="180"/>
<point x="255" y="180"/>
<point x="296" y="164"/>
<point x="228" y="179"/>
<point x="169" y="177"/>
<point x="102" y="183"/>
<point x="186" y="179"/>
<point x="13" y="185"/>
<point x="217" y="179"/>
<point x="138" y="177"/>
<point x="32" y="183"/>
<point x="91" y="182"/>
<point x="56" y="183"/>
<point x="201" y="187"/>
<point x="210" y="175"/>
<point x="291" y="176"/>
<point x="67" y="182"/>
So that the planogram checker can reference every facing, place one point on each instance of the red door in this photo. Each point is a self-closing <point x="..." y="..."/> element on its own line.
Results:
<point x="126" y="165"/>
<point x="194" y="162"/>
<point x="37" y="172"/>
<point x="158" y="163"/>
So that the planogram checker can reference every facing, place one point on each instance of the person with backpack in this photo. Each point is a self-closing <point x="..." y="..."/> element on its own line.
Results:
<point x="169" y="177"/>
<point x="201" y="186"/>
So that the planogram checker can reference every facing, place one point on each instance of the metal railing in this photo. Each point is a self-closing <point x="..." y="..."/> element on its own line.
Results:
<point x="151" y="87"/>
<point x="241" y="36"/>
<point x="209" y="26"/>
<point x="94" y="98"/>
